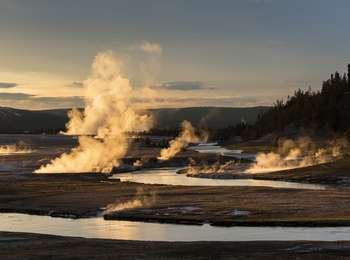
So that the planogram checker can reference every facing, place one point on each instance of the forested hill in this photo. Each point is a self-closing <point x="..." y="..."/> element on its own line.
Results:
<point x="51" y="121"/>
<point x="326" y="110"/>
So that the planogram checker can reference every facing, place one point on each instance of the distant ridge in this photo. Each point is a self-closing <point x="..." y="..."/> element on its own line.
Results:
<point x="51" y="121"/>
<point x="207" y="117"/>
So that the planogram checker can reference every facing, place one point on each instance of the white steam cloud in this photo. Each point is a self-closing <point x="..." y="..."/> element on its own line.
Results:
<point x="296" y="154"/>
<point x="109" y="115"/>
<point x="227" y="167"/>
<point x="187" y="135"/>
<point x="142" y="199"/>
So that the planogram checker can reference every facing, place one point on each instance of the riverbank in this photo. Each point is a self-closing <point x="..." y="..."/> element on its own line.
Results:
<point x="37" y="246"/>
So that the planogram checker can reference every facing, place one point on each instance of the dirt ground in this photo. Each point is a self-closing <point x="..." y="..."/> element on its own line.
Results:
<point x="35" y="246"/>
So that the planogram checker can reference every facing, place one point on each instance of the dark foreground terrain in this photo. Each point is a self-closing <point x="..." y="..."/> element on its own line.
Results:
<point x="35" y="246"/>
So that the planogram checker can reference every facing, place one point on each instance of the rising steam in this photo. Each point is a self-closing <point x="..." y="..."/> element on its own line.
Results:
<point x="187" y="135"/>
<point x="228" y="167"/>
<point x="142" y="199"/>
<point x="109" y="115"/>
<point x="14" y="149"/>
<point x="296" y="154"/>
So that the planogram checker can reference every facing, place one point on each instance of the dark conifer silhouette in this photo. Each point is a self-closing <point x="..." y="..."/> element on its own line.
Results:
<point x="326" y="110"/>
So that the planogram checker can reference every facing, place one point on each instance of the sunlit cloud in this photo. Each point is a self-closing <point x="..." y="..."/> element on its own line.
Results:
<point x="76" y="84"/>
<point x="26" y="101"/>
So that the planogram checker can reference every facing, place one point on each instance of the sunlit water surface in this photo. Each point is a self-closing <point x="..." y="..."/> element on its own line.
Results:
<point x="169" y="176"/>
<point x="99" y="228"/>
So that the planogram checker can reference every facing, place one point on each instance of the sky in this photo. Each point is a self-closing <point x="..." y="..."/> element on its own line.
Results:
<point x="190" y="53"/>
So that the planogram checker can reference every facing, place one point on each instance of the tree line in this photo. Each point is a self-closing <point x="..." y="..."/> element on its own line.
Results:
<point x="323" y="111"/>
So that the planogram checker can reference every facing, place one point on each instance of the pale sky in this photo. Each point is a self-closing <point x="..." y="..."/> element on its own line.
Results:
<point x="194" y="53"/>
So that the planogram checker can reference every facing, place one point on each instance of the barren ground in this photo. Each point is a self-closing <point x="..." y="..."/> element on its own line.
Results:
<point x="34" y="246"/>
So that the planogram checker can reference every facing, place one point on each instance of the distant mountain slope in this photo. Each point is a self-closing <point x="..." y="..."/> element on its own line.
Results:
<point x="211" y="117"/>
<point x="50" y="121"/>
<point x="18" y="120"/>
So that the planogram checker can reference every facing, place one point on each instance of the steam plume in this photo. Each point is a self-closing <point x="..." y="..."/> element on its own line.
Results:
<point x="187" y="135"/>
<point x="109" y="115"/>
<point x="141" y="199"/>
<point x="215" y="168"/>
<point x="13" y="149"/>
<point x="296" y="154"/>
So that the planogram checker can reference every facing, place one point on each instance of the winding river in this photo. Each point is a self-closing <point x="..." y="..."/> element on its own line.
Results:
<point x="99" y="228"/>
<point x="168" y="176"/>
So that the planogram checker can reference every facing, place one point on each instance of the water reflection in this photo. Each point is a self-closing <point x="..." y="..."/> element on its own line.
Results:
<point x="99" y="228"/>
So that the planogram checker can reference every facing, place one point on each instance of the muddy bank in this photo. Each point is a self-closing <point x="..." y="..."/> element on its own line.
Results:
<point x="36" y="246"/>
<point x="75" y="196"/>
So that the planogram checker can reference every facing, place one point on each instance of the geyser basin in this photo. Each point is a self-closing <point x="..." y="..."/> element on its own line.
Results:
<point x="168" y="176"/>
<point x="99" y="228"/>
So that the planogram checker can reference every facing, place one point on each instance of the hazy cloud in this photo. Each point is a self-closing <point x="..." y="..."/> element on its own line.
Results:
<point x="228" y="101"/>
<point x="151" y="47"/>
<point x="50" y="100"/>
<point x="76" y="84"/>
<point x="15" y="96"/>
<point x="7" y="85"/>
<point x="27" y="101"/>
<point x="184" y="85"/>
